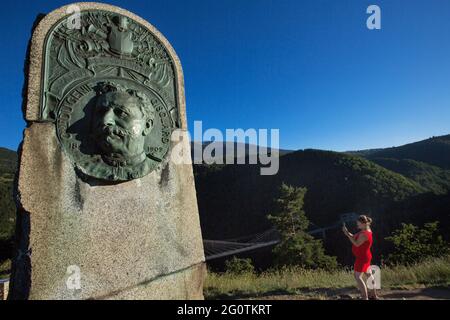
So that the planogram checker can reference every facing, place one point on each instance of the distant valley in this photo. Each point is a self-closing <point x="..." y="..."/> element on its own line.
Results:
<point x="409" y="183"/>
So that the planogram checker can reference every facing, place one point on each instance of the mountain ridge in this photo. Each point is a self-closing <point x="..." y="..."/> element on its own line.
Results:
<point x="234" y="200"/>
<point x="434" y="151"/>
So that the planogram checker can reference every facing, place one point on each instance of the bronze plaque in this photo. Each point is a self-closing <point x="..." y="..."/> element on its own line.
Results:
<point x="109" y="86"/>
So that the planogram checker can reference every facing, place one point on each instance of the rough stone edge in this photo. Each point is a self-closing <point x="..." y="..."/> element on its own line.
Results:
<point x="36" y="63"/>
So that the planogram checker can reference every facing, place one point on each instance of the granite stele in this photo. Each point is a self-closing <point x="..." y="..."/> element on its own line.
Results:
<point x="106" y="208"/>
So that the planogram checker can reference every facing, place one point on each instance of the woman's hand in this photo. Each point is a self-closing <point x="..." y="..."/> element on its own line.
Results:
<point x="345" y="230"/>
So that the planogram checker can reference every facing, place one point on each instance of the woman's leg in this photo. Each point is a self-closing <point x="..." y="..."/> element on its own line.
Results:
<point x="373" y="290"/>
<point x="361" y="284"/>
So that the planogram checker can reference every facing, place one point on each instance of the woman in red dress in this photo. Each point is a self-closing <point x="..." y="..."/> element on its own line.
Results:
<point x="361" y="244"/>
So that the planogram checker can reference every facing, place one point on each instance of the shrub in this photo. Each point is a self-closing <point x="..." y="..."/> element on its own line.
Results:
<point x="413" y="244"/>
<point x="239" y="266"/>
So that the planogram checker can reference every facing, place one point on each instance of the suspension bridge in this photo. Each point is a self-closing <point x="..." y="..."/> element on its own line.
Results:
<point x="215" y="249"/>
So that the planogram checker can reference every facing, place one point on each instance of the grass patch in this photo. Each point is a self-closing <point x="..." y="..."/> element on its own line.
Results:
<point x="5" y="269"/>
<point x="433" y="272"/>
<point x="290" y="281"/>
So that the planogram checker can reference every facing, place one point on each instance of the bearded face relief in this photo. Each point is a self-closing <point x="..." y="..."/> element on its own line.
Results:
<point x="113" y="130"/>
<point x="121" y="121"/>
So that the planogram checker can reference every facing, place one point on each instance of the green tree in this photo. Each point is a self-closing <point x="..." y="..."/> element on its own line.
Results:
<point x="297" y="247"/>
<point x="239" y="266"/>
<point x="413" y="244"/>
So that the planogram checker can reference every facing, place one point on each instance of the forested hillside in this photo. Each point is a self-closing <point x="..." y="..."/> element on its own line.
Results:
<point x="410" y="183"/>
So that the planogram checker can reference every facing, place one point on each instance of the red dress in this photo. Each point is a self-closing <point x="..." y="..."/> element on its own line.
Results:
<point x="362" y="253"/>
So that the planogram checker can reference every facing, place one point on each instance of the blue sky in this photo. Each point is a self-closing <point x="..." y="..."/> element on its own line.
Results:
<point x="309" y="68"/>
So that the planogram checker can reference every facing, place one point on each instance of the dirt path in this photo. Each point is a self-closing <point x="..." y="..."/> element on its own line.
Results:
<point x="436" y="293"/>
<point x="418" y="294"/>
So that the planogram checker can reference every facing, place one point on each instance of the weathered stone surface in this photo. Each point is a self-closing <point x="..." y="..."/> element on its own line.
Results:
<point x="138" y="239"/>
<point x="184" y="285"/>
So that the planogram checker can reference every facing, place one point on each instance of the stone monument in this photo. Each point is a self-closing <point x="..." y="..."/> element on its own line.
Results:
<point x="104" y="209"/>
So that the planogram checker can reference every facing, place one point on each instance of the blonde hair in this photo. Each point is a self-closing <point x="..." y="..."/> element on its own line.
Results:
<point x="365" y="219"/>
